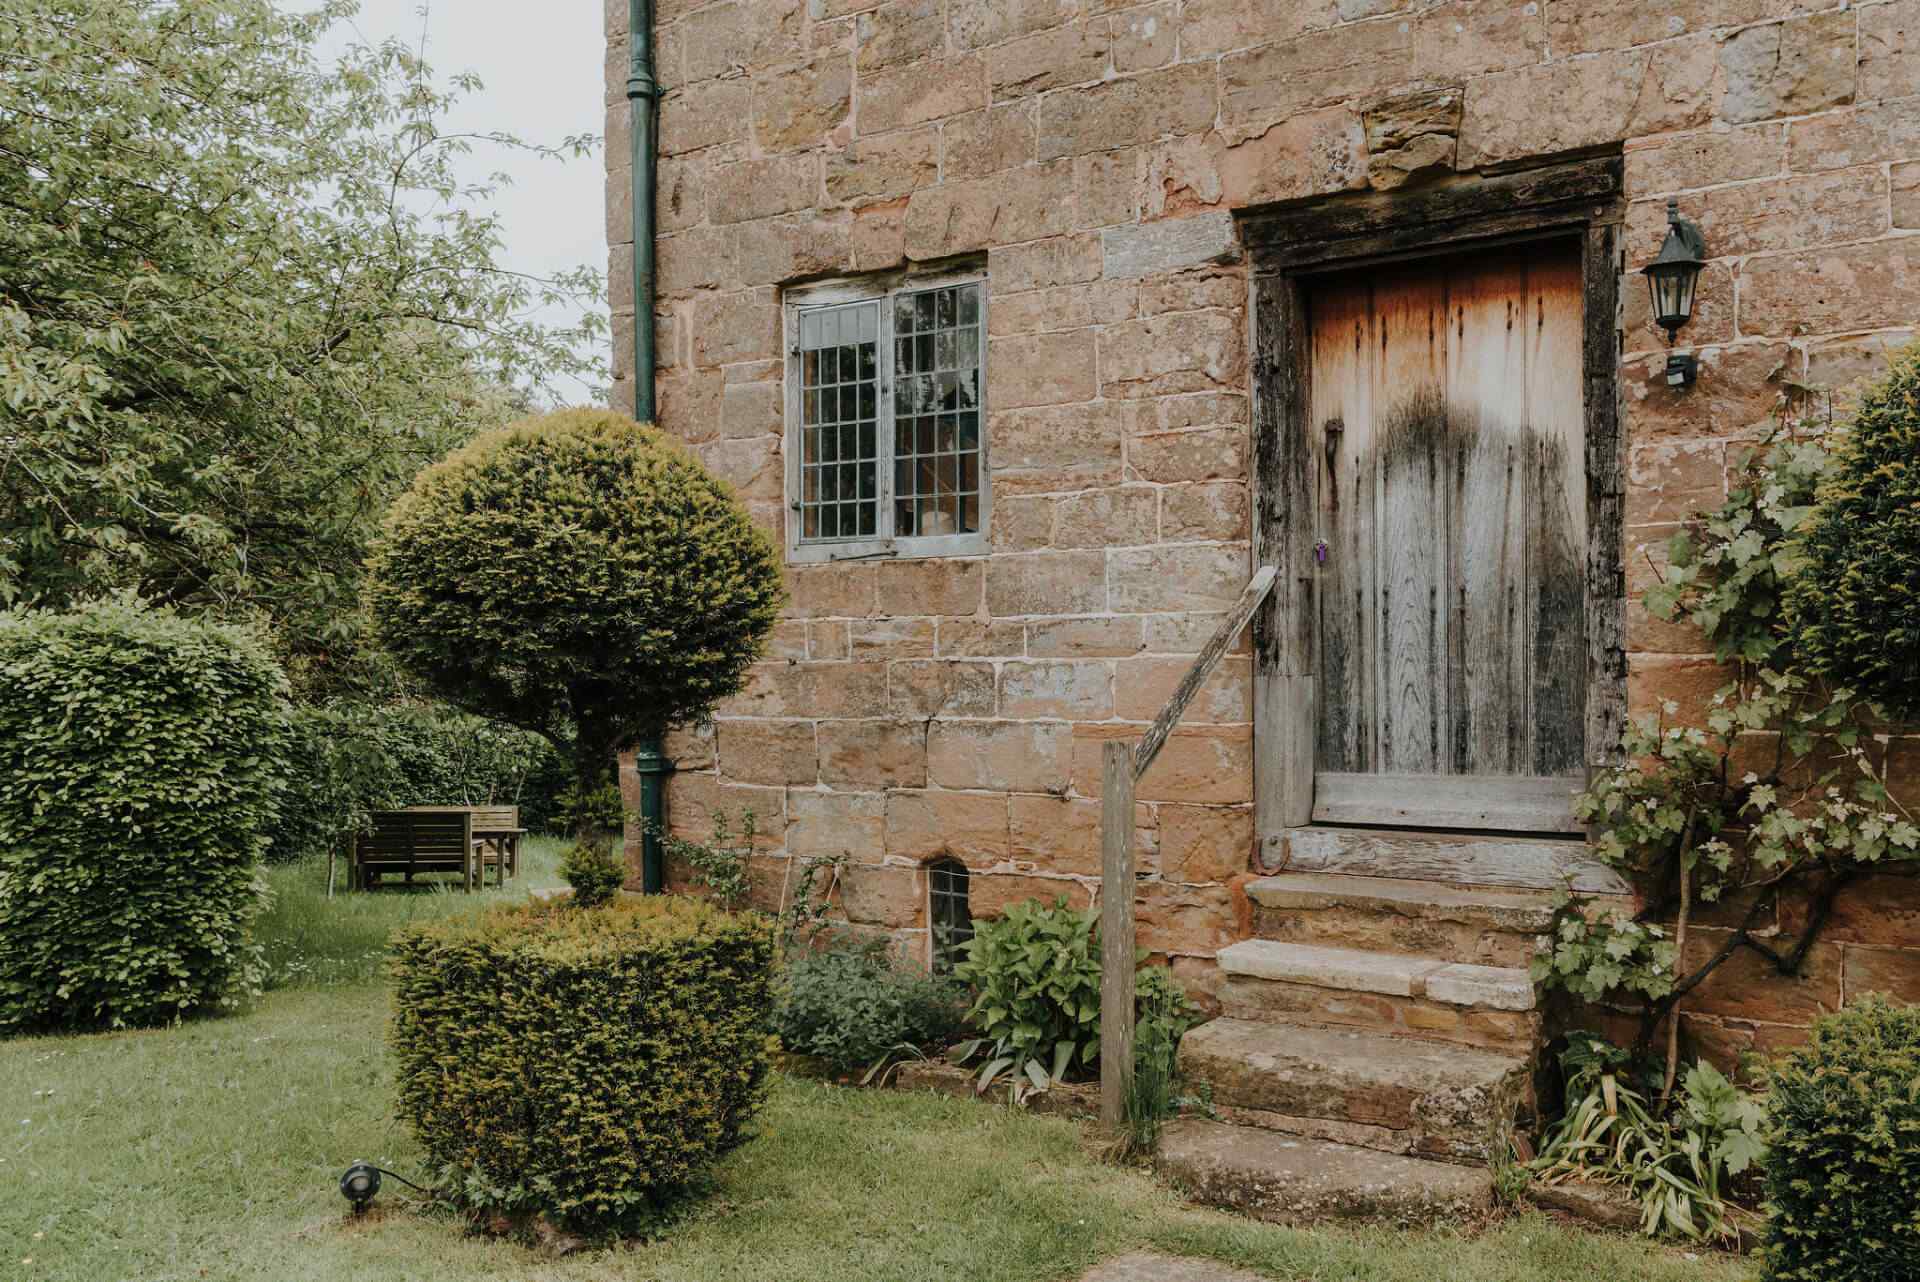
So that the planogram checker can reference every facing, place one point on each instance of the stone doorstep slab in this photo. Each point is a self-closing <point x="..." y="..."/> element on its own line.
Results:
<point x="1517" y="912"/>
<point x="1388" y="974"/>
<point x="1380" y="1092"/>
<point x="1286" y="1179"/>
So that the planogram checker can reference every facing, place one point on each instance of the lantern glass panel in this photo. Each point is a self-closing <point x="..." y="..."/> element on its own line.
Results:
<point x="1673" y="294"/>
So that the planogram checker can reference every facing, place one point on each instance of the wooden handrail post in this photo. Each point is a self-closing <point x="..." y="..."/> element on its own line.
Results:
<point x="1116" y="933"/>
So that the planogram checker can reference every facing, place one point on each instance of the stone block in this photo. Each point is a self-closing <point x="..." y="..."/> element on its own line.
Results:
<point x="1023" y="756"/>
<point x="741" y="325"/>
<point x="1071" y="689"/>
<point x="873" y="754"/>
<point x="1068" y="55"/>
<point x="903" y="96"/>
<point x="1588" y="102"/>
<point x="1269" y="83"/>
<point x="776" y="753"/>
<point x="1181" y="352"/>
<point x="1107" y="518"/>
<point x="1748" y="986"/>
<point x="1209" y="27"/>
<point x="978" y="23"/>
<point x="928" y="688"/>
<point x="1126" y="112"/>
<point x="1218" y="510"/>
<point x="900" y="31"/>
<point x="1038" y="264"/>
<point x="1171" y="457"/>
<point x="704" y="115"/>
<point x="1085" y="638"/>
<point x="1412" y="136"/>
<point x="1308" y="154"/>
<point x="1674" y="480"/>
<point x="1176" y="577"/>
<point x="1864" y="135"/>
<point x="1066" y="447"/>
<point x="689" y="406"/>
<point x="1040" y="369"/>
<point x="1849" y="287"/>
<point x="1100" y="302"/>
<point x="1184" y="921"/>
<point x="976" y="638"/>
<point x="991" y="894"/>
<point x="777" y="250"/>
<point x="880" y="235"/>
<point x="695" y="798"/>
<point x="695" y="260"/>
<point x="1022" y="523"/>
<point x="884" y="166"/>
<point x="1891" y="972"/>
<point x="811" y="690"/>
<point x="1205" y="843"/>
<point x="969" y="826"/>
<point x="1047" y="583"/>
<point x="1107" y="186"/>
<point x="897" y="638"/>
<point x="1686" y="681"/>
<point x="1596" y="25"/>
<point x="1844" y="366"/>
<point x="1741" y="390"/>
<point x="933" y="586"/>
<point x="832" y="591"/>
<point x="1143" y="686"/>
<point x="1906" y="195"/>
<point x="822" y="825"/>
<point x="1705" y="157"/>
<point x="1062" y="834"/>
<point x="974" y="214"/>
<point x="883" y="895"/>
<point x="1146" y="37"/>
<point x="799" y="106"/>
<point x="1889" y="49"/>
<point x="1646" y="564"/>
<point x="1790" y="68"/>
<point x="989" y="140"/>
<point x="1461" y="38"/>
<point x="750" y="189"/>
<point x="750" y="409"/>
<point x="1169" y="245"/>
<point x="1784" y="213"/>
<point x="1199" y="765"/>
<point x="727" y="39"/>
<point x="751" y="466"/>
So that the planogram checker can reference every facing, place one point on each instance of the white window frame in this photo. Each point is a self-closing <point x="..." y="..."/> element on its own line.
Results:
<point x="883" y="290"/>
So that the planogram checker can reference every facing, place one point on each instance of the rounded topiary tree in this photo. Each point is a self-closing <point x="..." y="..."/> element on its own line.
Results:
<point x="141" y="764"/>
<point x="1853" y="603"/>
<point x="578" y="574"/>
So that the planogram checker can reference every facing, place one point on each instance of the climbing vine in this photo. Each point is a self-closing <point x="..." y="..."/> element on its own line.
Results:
<point x="1780" y="792"/>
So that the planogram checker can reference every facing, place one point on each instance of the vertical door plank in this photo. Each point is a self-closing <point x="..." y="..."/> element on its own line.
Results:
<point x="1409" y="381"/>
<point x="1556" y="582"/>
<point x="1488" y="569"/>
<point x="1339" y="420"/>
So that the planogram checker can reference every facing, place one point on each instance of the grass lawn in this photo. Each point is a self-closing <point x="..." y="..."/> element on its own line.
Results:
<point x="212" y="1150"/>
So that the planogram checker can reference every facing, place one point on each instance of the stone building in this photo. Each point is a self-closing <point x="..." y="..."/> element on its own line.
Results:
<point x="1029" y="327"/>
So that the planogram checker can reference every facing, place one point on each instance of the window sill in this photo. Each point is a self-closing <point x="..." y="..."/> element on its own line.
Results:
<point x="943" y="545"/>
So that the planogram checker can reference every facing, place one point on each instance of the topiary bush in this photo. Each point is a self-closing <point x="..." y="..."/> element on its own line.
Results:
<point x="1843" y="1166"/>
<point x="594" y="872"/>
<point x="852" y="1005"/>
<point x="580" y="575"/>
<point x="1853" y="602"/>
<point x="585" y="1066"/>
<point x="140" y="768"/>
<point x="349" y="756"/>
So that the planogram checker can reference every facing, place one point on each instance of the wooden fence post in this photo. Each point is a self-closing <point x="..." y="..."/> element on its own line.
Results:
<point x="1116" y="933"/>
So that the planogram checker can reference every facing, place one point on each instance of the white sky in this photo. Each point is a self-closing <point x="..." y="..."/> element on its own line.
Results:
<point x="542" y="67"/>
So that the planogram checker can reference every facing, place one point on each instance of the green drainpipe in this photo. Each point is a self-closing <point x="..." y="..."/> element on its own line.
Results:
<point x="643" y="97"/>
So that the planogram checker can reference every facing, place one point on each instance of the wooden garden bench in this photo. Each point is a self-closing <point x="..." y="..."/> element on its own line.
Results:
<point x="409" y="842"/>
<point x="497" y="831"/>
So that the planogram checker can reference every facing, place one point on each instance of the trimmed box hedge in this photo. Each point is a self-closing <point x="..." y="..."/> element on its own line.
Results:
<point x="1843" y="1159"/>
<point x="140" y="771"/>
<point x="588" y="1065"/>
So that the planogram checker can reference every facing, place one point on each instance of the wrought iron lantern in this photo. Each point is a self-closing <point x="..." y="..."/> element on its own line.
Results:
<point x="1673" y="278"/>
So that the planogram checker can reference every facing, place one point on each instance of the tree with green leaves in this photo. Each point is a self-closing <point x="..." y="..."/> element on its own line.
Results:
<point x="244" y="297"/>
<point x="578" y="574"/>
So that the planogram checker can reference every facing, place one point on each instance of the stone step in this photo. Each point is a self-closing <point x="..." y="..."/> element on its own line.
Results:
<point x="1289" y="1179"/>
<point x="1273" y="982"/>
<point x="1456" y="858"/>
<point x="1392" y="915"/>
<point x="1366" y="1089"/>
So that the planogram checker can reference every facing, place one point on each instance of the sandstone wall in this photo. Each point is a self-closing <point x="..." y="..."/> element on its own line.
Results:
<point x="1091" y="154"/>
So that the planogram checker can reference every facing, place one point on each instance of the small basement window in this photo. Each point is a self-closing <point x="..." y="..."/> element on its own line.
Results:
<point x="886" y="420"/>
<point x="949" y="912"/>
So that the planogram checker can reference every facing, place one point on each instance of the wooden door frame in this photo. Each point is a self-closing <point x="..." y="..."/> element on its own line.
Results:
<point x="1580" y="198"/>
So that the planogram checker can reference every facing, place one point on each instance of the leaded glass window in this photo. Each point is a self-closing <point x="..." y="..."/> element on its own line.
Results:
<point x="950" y="912"/>
<point x="888" y="406"/>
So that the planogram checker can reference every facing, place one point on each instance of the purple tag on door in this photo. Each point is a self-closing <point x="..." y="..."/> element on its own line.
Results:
<point x="1320" y="552"/>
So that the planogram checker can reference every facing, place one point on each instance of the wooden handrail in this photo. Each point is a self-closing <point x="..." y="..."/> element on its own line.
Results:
<point x="1121" y="767"/>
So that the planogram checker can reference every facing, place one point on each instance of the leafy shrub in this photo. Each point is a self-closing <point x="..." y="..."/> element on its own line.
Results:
<point x="579" y="575"/>
<point x="1036" y="974"/>
<point x="1677" y="1167"/>
<point x="1843" y="1169"/>
<point x="140" y="768"/>
<point x="348" y="757"/>
<point x="853" y="1005"/>
<point x="586" y="1066"/>
<point x="1854" y="598"/>
<point x="721" y="865"/>
<point x="595" y="872"/>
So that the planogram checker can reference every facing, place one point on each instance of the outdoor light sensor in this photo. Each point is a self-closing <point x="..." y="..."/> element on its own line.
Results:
<point x="359" y="1184"/>
<point x="1673" y="279"/>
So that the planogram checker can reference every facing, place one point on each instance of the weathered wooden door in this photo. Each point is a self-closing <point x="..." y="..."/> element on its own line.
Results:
<point x="1445" y="419"/>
